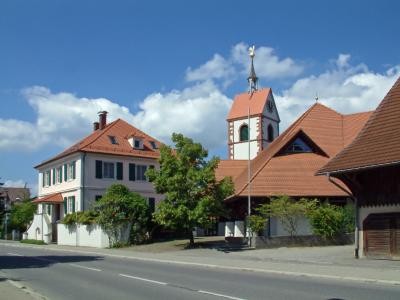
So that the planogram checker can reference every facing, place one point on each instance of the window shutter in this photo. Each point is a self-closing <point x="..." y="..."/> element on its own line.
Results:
<point x="99" y="169"/>
<point x="54" y="176"/>
<point x="120" y="171"/>
<point x="65" y="205"/>
<point x="152" y="204"/>
<point x="73" y="169"/>
<point x="65" y="172"/>
<point x="73" y="203"/>
<point x="132" y="170"/>
<point x="43" y="175"/>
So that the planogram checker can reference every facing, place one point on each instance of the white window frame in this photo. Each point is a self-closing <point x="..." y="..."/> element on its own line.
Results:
<point x="113" y="169"/>
<point x="46" y="178"/>
<point x="69" y="170"/>
<point x="59" y="175"/>
<point x="70" y="200"/>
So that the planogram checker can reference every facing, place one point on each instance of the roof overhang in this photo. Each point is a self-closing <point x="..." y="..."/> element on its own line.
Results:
<point x="51" y="199"/>
<point x="354" y="169"/>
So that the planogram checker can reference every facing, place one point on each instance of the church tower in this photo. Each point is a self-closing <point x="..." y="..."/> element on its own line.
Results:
<point x="253" y="119"/>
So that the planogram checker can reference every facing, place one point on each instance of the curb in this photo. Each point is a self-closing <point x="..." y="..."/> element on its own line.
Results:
<point x="213" y="266"/>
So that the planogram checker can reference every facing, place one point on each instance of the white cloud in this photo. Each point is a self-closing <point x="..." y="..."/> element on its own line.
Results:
<point x="345" y="88"/>
<point x="267" y="64"/>
<point x="63" y="118"/>
<point x="216" y="68"/>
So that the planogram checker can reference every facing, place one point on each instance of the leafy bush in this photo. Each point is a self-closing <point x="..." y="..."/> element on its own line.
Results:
<point x="256" y="224"/>
<point x="330" y="221"/>
<point x="22" y="214"/>
<point x="118" y="210"/>
<point x="287" y="210"/>
<point x="36" y="242"/>
<point x="86" y="217"/>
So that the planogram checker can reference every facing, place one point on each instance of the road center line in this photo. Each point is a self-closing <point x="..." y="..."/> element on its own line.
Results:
<point x="14" y="254"/>
<point x="83" y="267"/>
<point x="220" y="295"/>
<point x="143" y="279"/>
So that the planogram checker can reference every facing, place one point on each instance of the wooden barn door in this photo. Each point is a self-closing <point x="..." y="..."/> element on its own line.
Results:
<point x="382" y="235"/>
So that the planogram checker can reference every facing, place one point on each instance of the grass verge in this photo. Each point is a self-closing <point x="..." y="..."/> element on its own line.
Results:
<point x="35" y="242"/>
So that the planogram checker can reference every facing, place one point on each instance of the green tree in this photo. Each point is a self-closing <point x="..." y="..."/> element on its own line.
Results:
<point x="22" y="214"/>
<point x="193" y="196"/>
<point x="287" y="210"/>
<point x="120" y="209"/>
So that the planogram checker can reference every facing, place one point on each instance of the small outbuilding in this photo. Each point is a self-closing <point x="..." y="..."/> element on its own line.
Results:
<point x="370" y="167"/>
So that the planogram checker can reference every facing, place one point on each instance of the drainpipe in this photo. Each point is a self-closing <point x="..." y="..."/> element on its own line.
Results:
<point x="357" y="233"/>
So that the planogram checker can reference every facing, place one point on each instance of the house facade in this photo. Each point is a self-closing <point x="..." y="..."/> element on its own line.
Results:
<point x="370" y="167"/>
<point x="76" y="178"/>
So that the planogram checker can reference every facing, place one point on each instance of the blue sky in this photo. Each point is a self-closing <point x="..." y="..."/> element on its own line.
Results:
<point x="175" y="66"/>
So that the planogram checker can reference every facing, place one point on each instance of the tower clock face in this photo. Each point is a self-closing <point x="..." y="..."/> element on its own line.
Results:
<point x="270" y="106"/>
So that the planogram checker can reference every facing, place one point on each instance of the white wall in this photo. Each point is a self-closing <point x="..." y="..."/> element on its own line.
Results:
<point x="95" y="186"/>
<point x="88" y="236"/>
<point x="253" y="128"/>
<point x="36" y="231"/>
<point x="303" y="228"/>
<point x="364" y="212"/>
<point x="241" y="150"/>
<point x="69" y="185"/>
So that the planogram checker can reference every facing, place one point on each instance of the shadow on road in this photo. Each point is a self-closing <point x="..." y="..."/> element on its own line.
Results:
<point x="25" y="262"/>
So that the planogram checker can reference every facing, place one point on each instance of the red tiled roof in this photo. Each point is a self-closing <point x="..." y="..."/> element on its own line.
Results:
<point x="53" y="198"/>
<point x="294" y="174"/>
<point x="241" y="103"/>
<point x="99" y="142"/>
<point x="229" y="168"/>
<point x="378" y="142"/>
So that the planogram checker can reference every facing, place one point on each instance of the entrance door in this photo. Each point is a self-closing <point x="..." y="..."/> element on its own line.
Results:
<point x="382" y="235"/>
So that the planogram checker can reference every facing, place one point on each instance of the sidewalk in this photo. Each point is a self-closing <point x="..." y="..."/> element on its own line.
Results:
<point x="11" y="291"/>
<point x="334" y="262"/>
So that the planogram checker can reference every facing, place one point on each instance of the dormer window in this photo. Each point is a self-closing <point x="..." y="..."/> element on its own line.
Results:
<point x="153" y="144"/>
<point x="136" y="143"/>
<point x="113" y="140"/>
<point x="298" y="146"/>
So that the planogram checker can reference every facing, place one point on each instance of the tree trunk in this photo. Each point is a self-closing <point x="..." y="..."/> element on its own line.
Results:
<point x="191" y="241"/>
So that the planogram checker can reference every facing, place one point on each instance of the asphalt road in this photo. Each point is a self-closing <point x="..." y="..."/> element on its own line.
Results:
<point x="65" y="275"/>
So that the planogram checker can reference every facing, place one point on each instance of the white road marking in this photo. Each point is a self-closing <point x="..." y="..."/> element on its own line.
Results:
<point x="144" y="279"/>
<point x="220" y="295"/>
<point x="83" y="267"/>
<point x="14" y="254"/>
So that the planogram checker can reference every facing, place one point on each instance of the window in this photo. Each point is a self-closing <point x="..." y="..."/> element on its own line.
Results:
<point x="244" y="133"/>
<point x="70" y="204"/>
<point x="136" y="144"/>
<point x="298" y="146"/>
<point x="108" y="170"/>
<point x="113" y="140"/>
<point x="153" y="144"/>
<point x="71" y="170"/>
<point x="46" y="178"/>
<point x="59" y="175"/>
<point x="270" y="132"/>
<point x="140" y="172"/>
<point x="152" y="204"/>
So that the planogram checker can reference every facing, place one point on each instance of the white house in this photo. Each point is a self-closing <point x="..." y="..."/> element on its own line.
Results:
<point x="74" y="179"/>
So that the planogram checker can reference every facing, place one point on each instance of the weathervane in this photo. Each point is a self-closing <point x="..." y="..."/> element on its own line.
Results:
<point x="316" y="97"/>
<point x="252" y="79"/>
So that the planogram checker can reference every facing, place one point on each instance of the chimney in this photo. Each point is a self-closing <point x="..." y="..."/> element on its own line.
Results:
<point x="102" y="119"/>
<point x="96" y="126"/>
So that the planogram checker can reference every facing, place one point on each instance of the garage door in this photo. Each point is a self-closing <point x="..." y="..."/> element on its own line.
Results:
<point x="382" y="235"/>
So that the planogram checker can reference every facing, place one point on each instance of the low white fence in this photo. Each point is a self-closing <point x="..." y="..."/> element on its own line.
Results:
<point x="82" y="235"/>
